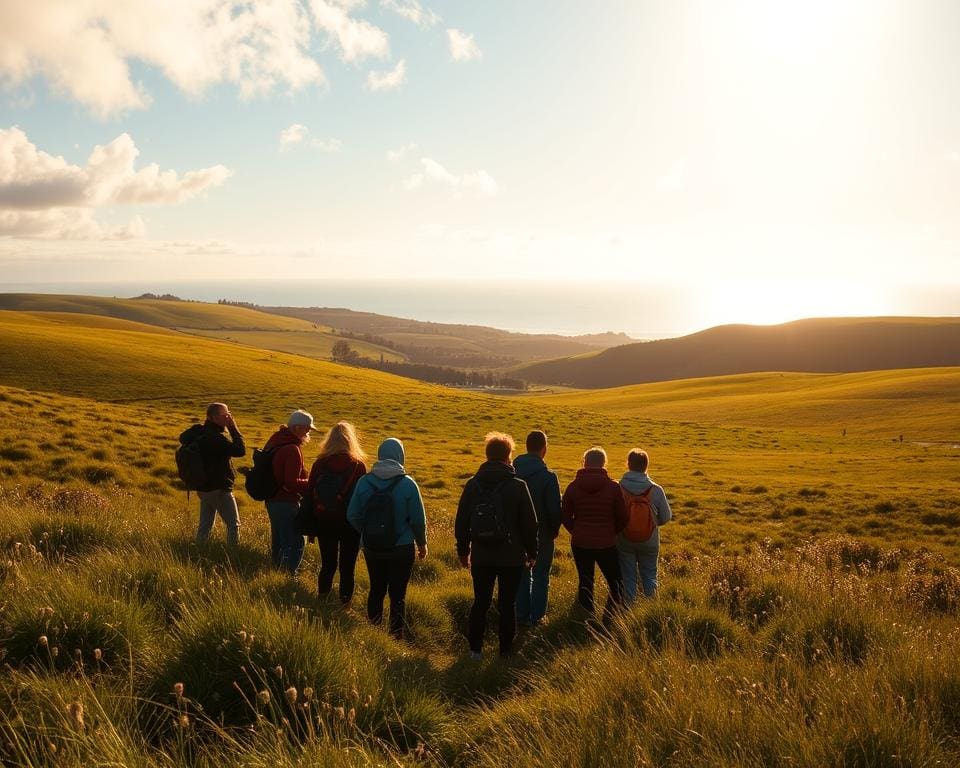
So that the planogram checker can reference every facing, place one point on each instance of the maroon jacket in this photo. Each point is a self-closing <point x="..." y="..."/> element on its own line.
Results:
<point x="288" y="466"/>
<point x="593" y="510"/>
<point x="339" y="464"/>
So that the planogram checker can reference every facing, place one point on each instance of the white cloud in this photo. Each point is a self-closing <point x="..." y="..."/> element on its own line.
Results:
<point x="462" y="46"/>
<point x="293" y="135"/>
<point x="479" y="183"/>
<point x="388" y="80"/>
<point x="327" y="145"/>
<point x="84" y="49"/>
<point x="45" y="196"/>
<point x="357" y="39"/>
<point x="412" y="10"/>
<point x="396" y="155"/>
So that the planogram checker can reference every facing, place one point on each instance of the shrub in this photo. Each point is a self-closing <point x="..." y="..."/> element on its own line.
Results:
<point x="700" y="632"/>
<point x="831" y="632"/>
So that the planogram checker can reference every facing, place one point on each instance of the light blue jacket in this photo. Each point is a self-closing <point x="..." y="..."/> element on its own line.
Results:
<point x="410" y="519"/>
<point x="637" y="483"/>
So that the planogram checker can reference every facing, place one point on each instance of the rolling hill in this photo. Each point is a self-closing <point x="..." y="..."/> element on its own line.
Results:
<point x="827" y="345"/>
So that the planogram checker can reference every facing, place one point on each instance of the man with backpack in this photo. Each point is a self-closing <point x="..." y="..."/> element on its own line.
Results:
<point x="387" y="510"/>
<point x="545" y="492"/>
<point x="204" y="464"/>
<point x="496" y="530"/>
<point x="638" y="545"/>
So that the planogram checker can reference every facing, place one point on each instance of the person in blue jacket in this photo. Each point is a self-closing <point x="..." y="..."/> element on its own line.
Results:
<point x="387" y="486"/>
<point x="545" y="492"/>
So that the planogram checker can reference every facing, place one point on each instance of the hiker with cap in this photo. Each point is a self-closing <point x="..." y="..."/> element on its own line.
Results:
<point x="286" y="545"/>
<point x="214" y="482"/>
<point x="387" y="510"/>
<point x="496" y="531"/>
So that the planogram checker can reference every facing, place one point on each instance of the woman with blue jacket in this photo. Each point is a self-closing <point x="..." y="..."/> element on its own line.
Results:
<point x="387" y="510"/>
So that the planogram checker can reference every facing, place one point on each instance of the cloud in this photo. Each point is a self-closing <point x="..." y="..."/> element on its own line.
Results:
<point x="389" y="80"/>
<point x="84" y="49"/>
<point x="327" y="145"/>
<point x="462" y="46"/>
<point x="412" y="10"/>
<point x="396" y="155"/>
<point x="479" y="183"/>
<point x="357" y="39"/>
<point x="45" y="196"/>
<point x="293" y="135"/>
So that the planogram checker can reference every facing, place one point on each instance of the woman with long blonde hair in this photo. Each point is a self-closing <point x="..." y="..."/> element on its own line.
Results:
<point x="334" y="475"/>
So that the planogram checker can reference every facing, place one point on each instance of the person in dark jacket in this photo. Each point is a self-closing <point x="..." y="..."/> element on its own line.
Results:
<point x="338" y="468"/>
<point x="390" y="566"/>
<point x="594" y="512"/>
<point x="545" y="492"/>
<point x="216" y="450"/>
<point x="286" y="545"/>
<point x="497" y="535"/>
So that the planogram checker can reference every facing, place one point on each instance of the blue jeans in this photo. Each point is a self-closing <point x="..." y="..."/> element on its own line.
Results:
<point x="286" y="545"/>
<point x="213" y="503"/>
<point x="535" y="584"/>
<point x="638" y="559"/>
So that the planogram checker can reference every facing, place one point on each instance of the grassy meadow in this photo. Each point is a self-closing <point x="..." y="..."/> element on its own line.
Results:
<point x="807" y="616"/>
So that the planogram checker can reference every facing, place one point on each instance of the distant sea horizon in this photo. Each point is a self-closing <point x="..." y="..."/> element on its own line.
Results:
<point x="548" y="308"/>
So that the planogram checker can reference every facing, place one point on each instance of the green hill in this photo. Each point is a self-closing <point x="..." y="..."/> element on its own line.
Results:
<point x="828" y="345"/>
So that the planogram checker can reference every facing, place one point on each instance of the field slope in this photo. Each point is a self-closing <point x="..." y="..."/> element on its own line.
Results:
<point x="823" y="345"/>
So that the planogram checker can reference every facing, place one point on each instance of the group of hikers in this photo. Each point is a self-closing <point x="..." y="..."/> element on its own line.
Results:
<point x="508" y="518"/>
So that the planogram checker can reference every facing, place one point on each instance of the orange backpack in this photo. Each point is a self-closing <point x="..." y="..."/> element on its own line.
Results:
<point x="641" y="523"/>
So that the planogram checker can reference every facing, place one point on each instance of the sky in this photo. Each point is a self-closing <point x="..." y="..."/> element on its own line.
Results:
<point x="765" y="160"/>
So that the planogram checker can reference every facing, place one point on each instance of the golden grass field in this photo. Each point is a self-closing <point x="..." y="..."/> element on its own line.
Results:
<point x="809" y="601"/>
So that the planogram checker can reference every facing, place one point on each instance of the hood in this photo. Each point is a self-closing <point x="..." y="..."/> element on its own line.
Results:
<point x="527" y="465"/>
<point x="635" y="482"/>
<point x="283" y="436"/>
<point x="191" y="433"/>
<point x="390" y="459"/>
<point x="591" y="479"/>
<point x="493" y="472"/>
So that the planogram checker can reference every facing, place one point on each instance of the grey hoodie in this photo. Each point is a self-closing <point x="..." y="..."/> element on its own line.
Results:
<point x="636" y="483"/>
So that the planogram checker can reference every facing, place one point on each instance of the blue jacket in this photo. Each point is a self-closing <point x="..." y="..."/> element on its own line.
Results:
<point x="545" y="492"/>
<point x="410" y="519"/>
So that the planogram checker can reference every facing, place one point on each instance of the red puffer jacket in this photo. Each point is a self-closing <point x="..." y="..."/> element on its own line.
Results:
<point x="593" y="510"/>
<point x="288" y="466"/>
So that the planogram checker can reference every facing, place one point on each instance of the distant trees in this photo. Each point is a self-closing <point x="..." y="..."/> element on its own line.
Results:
<point x="342" y="352"/>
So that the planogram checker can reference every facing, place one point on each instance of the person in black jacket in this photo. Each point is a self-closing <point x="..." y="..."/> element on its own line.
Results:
<point x="216" y="494"/>
<point x="497" y="535"/>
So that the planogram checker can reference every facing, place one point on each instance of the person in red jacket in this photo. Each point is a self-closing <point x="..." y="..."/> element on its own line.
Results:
<point x="286" y="545"/>
<point x="594" y="512"/>
<point x="332" y="479"/>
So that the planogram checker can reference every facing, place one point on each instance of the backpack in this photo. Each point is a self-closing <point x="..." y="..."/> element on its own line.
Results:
<point x="488" y="520"/>
<point x="379" y="525"/>
<point x="190" y="464"/>
<point x="260" y="482"/>
<point x="327" y="506"/>
<point x="641" y="522"/>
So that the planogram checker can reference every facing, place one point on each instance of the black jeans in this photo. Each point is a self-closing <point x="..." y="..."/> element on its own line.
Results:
<point x="608" y="561"/>
<point x="484" y="577"/>
<point x="339" y="546"/>
<point x="389" y="573"/>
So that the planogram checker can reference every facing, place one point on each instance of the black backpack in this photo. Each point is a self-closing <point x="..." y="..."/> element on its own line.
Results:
<point x="379" y="525"/>
<point x="260" y="482"/>
<point x="326" y="508"/>
<point x="190" y="463"/>
<point x="488" y="519"/>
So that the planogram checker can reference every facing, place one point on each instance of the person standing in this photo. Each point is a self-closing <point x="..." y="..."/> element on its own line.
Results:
<point x="216" y="451"/>
<point x="594" y="512"/>
<point x="333" y="477"/>
<point x="496" y="531"/>
<point x="638" y="544"/>
<point x="544" y="488"/>
<point x="386" y="509"/>
<point x="286" y="545"/>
